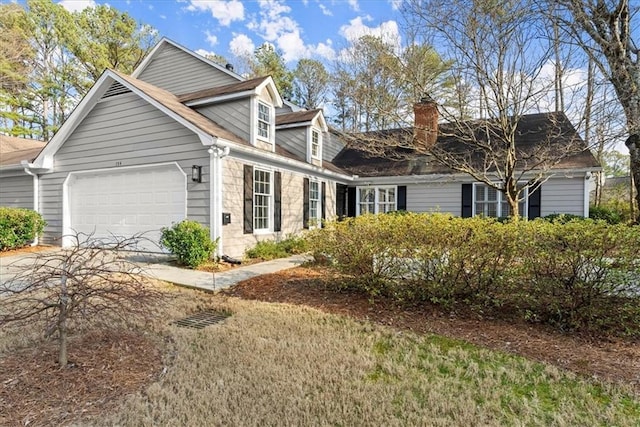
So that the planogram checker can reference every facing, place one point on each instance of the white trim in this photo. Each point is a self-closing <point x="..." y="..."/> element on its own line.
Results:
<point x="294" y="125"/>
<point x="270" y="122"/>
<point x="147" y="60"/>
<point x="36" y="197"/>
<point x="270" y="208"/>
<point x="310" y="155"/>
<point x="216" y="154"/>
<point x="315" y="222"/>
<point x="67" y="239"/>
<point x="220" y="98"/>
<point x="587" y="180"/>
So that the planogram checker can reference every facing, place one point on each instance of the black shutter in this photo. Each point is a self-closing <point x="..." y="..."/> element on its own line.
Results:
<point x="305" y="203"/>
<point x="535" y="203"/>
<point x="467" y="200"/>
<point x="323" y="201"/>
<point x="351" y="201"/>
<point x="402" y="198"/>
<point x="248" y="199"/>
<point x="277" y="201"/>
<point x="341" y="201"/>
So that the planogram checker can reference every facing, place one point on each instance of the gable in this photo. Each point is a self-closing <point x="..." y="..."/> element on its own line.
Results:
<point x="178" y="72"/>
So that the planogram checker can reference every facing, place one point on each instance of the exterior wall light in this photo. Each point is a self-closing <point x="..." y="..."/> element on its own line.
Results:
<point x="196" y="173"/>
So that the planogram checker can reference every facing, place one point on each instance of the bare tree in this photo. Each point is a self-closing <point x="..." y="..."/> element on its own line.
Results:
<point x="606" y="29"/>
<point x="89" y="282"/>
<point x="499" y="50"/>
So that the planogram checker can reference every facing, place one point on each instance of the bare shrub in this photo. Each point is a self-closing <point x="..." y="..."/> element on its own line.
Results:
<point x="91" y="282"/>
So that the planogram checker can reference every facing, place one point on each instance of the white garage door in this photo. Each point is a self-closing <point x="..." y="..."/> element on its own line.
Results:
<point x="125" y="202"/>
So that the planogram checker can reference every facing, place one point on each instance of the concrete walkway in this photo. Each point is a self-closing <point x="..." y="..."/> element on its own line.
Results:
<point x="215" y="281"/>
<point x="158" y="266"/>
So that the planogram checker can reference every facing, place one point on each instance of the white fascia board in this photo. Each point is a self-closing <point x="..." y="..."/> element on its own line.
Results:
<point x="323" y="122"/>
<point x="463" y="177"/>
<point x="266" y="157"/>
<point x="293" y="125"/>
<point x="12" y="168"/>
<point x="145" y="62"/>
<point x="221" y="98"/>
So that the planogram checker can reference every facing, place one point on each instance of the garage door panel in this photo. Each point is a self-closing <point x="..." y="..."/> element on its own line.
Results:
<point x="127" y="202"/>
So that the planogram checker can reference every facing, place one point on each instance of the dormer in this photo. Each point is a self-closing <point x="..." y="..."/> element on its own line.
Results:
<point x="245" y="108"/>
<point x="301" y="133"/>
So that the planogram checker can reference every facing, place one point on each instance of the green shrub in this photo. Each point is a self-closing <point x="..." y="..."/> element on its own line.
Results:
<point x="189" y="241"/>
<point x="574" y="274"/>
<point x="272" y="249"/>
<point x="562" y="218"/>
<point x="19" y="227"/>
<point x="605" y="214"/>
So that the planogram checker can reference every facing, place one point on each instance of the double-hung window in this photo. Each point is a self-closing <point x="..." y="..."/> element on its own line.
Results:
<point x="314" y="202"/>
<point x="490" y="202"/>
<point x="315" y="144"/>
<point x="376" y="200"/>
<point x="264" y="121"/>
<point x="261" y="199"/>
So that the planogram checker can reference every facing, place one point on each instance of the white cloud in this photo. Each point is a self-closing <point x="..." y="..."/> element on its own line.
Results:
<point x="211" y="38"/>
<point x="77" y="5"/>
<point x="354" y="5"/>
<point x="163" y="16"/>
<point x="241" y="45"/>
<point x="325" y="10"/>
<point x="224" y="11"/>
<point x="388" y="31"/>
<point x="276" y="26"/>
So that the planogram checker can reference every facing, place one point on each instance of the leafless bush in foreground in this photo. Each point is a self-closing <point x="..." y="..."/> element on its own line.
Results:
<point x="92" y="281"/>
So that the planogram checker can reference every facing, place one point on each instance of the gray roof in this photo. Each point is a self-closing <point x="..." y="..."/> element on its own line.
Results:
<point x="390" y="152"/>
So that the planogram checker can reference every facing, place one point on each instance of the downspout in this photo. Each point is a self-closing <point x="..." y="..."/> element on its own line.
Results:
<point x="587" y="187"/>
<point x="36" y="196"/>
<point x="216" y="154"/>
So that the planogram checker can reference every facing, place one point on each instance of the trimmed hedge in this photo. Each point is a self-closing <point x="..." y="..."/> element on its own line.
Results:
<point x="272" y="249"/>
<point x="189" y="241"/>
<point x="19" y="227"/>
<point x="579" y="275"/>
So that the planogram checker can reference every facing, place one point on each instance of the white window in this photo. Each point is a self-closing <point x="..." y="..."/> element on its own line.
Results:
<point x="261" y="199"/>
<point x="315" y="144"/>
<point x="264" y="121"/>
<point x="490" y="202"/>
<point x="314" y="203"/>
<point x="376" y="200"/>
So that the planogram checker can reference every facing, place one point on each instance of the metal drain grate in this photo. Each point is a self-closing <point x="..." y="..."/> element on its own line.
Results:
<point x="201" y="320"/>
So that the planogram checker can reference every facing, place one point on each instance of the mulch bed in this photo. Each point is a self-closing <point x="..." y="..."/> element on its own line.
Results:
<point x="103" y="368"/>
<point x="609" y="359"/>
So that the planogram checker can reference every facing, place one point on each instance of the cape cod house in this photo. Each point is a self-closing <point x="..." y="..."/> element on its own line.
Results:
<point x="183" y="137"/>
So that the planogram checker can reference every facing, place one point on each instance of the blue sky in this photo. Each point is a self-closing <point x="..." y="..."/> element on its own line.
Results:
<point x="298" y="28"/>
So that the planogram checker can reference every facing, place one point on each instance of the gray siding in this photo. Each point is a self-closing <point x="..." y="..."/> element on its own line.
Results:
<point x="293" y="140"/>
<point x="234" y="116"/>
<point x="16" y="191"/>
<point x="563" y="195"/>
<point x="443" y="197"/>
<point x="178" y="72"/>
<point x="331" y="146"/>
<point x="129" y="131"/>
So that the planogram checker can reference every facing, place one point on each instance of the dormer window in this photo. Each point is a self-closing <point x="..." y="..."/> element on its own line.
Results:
<point x="264" y="121"/>
<point x="315" y="144"/>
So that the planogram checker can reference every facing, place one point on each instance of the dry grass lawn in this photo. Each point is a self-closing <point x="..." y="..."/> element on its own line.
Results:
<point x="278" y="364"/>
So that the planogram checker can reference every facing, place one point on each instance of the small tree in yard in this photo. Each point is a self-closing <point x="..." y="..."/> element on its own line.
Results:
<point x="89" y="282"/>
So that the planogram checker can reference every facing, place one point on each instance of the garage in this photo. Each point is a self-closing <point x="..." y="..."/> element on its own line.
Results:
<point x="126" y="202"/>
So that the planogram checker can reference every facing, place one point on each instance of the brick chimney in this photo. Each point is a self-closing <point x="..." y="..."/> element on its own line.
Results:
<point x="425" y="127"/>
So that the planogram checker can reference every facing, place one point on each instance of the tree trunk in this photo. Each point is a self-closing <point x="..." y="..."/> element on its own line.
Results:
<point x="62" y="322"/>
<point x="633" y="144"/>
